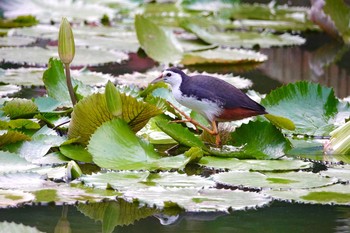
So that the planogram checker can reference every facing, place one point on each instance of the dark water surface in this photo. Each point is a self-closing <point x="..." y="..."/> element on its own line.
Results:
<point x="277" y="218"/>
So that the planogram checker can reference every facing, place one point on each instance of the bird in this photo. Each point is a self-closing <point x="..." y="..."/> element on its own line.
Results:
<point x="213" y="98"/>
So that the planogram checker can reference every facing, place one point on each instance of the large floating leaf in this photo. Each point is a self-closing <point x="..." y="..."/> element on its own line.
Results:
<point x="207" y="5"/>
<point x="115" y="146"/>
<point x="243" y="39"/>
<point x="40" y="56"/>
<point x="205" y="200"/>
<point x="92" y="111"/>
<point x="10" y="162"/>
<point x="261" y="140"/>
<point x="335" y="194"/>
<point x="15" y="41"/>
<point x="310" y="106"/>
<point x="254" y="165"/>
<point x="13" y="198"/>
<point x="157" y="43"/>
<point x="288" y="180"/>
<point x="223" y="56"/>
<point x="76" y="152"/>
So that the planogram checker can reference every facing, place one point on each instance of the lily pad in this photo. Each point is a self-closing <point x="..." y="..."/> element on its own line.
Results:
<point x="115" y="146"/>
<point x="261" y="140"/>
<point x="312" y="107"/>
<point x="275" y="181"/>
<point x="223" y="56"/>
<point x="40" y="56"/>
<point x="15" y="41"/>
<point x="13" y="198"/>
<point x="254" y="165"/>
<point x="334" y="194"/>
<point x="166" y="50"/>
<point x="20" y="108"/>
<point x="11" y="162"/>
<point x="193" y="200"/>
<point x="12" y="136"/>
<point x="8" y="89"/>
<point x="341" y="172"/>
<point x="244" y="39"/>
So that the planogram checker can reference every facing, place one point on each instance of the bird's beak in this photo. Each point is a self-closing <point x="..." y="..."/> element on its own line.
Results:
<point x="159" y="79"/>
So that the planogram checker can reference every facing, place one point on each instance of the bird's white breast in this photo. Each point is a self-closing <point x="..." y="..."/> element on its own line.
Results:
<point x="204" y="107"/>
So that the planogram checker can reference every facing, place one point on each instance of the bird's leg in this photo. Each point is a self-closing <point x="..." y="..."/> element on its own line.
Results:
<point x="213" y="131"/>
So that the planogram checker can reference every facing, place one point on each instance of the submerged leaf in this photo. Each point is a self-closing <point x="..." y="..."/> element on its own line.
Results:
<point x="157" y="43"/>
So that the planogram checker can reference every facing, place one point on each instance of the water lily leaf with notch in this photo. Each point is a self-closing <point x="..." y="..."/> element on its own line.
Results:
<point x="194" y="200"/>
<point x="14" y="198"/>
<point x="222" y="56"/>
<point x="340" y="15"/>
<point x="261" y="140"/>
<point x="312" y="107"/>
<point x="254" y="165"/>
<point x="271" y="180"/>
<point x="17" y="107"/>
<point x="166" y="50"/>
<point x="39" y="56"/>
<point x="12" y="136"/>
<point x="337" y="194"/>
<point x="115" y="146"/>
<point x="243" y="39"/>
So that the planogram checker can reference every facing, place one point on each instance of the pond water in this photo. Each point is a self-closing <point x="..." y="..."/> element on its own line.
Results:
<point x="278" y="217"/>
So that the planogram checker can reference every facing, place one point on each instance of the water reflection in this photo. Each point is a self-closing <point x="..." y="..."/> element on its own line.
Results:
<point x="124" y="217"/>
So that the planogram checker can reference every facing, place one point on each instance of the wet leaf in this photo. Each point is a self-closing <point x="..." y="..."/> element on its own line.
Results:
<point x="254" y="165"/>
<point x="275" y="181"/>
<point x="194" y="200"/>
<point x="261" y="140"/>
<point x="222" y="56"/>
<point x="312" y="107"/>
<point x="115" y="146"/>
<point x="12" y="136"/>
<point x="14" y="198"/>
<point x="11" y="162"/>
<point x="165" y="50"/>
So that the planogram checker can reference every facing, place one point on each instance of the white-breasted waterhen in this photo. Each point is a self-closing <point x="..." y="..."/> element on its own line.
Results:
<point x="215" y="99"/>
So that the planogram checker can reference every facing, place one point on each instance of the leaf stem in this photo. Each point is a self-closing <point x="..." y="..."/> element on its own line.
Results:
<point x="69" y="84"/>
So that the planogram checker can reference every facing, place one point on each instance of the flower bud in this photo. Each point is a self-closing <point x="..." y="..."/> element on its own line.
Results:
<point x="66" y="46"/>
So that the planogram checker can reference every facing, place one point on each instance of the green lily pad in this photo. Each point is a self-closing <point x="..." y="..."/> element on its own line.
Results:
<point x="254" y="165"/>
<point x="193" y="200"/>
<point x="334" y="194"/>
<point x="166" y="49"/>
<point x="222" y="56"/>
<point x="115" y="146"/>
<point x="243" y="39"/>
<point x="20" y="108"/>
<point x="76" y="152"/>
<point x="12" y="136"/>
<point x="92" y="111"/>
<point x="40" y="56"/>
<point x="312" y="107"/>
<point x="275" y="181"/>
<point x="13" y="198"/>
<point x="261" y="140"/>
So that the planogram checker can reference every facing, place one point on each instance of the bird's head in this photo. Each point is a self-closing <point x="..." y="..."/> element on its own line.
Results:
<point x="172" y="76"/>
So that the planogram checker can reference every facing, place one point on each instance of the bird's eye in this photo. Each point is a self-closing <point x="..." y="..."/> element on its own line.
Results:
<point x="168" y="75"/>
